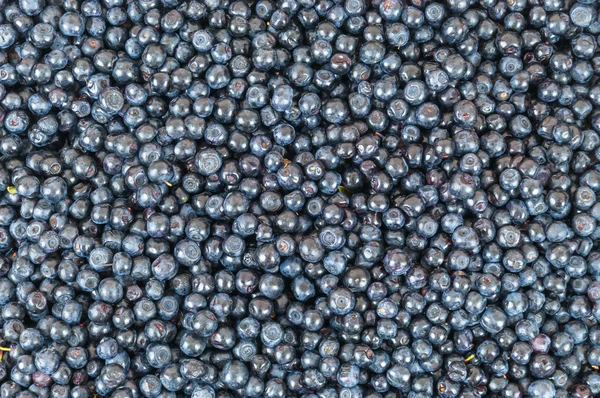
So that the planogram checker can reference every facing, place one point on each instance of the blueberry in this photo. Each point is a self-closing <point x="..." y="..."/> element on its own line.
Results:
<point x="360" y="192"/>
<point x="71" y="24"/>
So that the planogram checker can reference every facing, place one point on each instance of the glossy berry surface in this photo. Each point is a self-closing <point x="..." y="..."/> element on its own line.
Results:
<point x="299" y="198"/>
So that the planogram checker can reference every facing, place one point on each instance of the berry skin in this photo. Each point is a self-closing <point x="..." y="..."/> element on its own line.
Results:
<point x="299" y="198"/>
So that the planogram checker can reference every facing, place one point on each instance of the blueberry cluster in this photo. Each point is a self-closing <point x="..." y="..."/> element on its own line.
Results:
<point x="299" y="198"/>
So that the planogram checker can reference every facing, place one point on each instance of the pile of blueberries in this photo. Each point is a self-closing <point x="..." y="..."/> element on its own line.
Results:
<point x="299" y="198"/>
